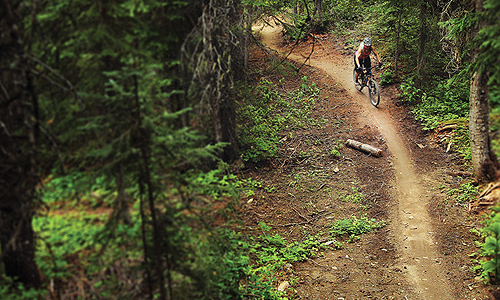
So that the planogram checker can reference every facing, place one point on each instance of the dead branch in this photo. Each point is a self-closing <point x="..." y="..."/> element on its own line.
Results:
<point x="459" y="174"/>
<point x="489" y="196"/>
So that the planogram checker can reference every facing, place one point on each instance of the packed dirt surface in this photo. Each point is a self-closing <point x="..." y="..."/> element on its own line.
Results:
<point x="423" y="251"/>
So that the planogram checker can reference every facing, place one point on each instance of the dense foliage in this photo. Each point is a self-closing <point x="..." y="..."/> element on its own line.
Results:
<point x="112" y="102"/>
<point x="138" y="103"/>
<point x="266" y="116"/>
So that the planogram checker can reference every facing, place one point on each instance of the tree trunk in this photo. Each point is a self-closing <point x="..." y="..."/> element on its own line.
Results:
<point x="422" y="41"/>
<point x="122" y="205"/>
<point x="248" y="33"/>
<point x="398" y="34"/>
<point x="319" y="12"/>
<point x="218" y="71"/>
<point x="484" y="160"/>
<point x="18" y="148"/>
<point x="147" y="191"/>
<point x="17" y="244"/>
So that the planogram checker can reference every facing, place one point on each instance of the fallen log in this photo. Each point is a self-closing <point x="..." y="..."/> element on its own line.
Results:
<point x="364" y="147"/>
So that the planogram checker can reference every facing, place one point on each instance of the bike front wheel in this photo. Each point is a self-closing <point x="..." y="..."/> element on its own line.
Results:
<point x="374" y="92"/>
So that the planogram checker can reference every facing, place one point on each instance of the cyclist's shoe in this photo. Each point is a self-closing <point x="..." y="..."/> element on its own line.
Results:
<point x="357" y="85"/>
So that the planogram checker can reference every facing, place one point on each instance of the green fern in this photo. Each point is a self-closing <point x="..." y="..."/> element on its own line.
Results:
<point x="490" y="267"/>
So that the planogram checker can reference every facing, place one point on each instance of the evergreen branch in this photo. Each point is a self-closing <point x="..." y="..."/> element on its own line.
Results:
<point x="70" y="88"/>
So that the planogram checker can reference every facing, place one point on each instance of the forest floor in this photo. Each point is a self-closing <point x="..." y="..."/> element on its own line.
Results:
<point x="424" y="250"/>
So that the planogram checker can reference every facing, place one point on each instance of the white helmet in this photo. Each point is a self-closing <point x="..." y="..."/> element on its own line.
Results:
<point x="367" y="41"/>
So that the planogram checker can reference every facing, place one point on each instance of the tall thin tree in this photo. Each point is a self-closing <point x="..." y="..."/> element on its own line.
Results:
<point x="19" y="132"/>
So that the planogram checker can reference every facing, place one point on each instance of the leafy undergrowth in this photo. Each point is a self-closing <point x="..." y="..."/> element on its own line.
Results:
<point x="83" y="251"/>
<point x="266" y="113"/>
<point x="488" y="256"/>
<point x="309" y="199"/>
<point x="76" y="255"/>
<point x="444" y="105"/>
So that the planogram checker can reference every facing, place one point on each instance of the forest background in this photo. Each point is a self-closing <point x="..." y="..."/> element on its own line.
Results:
<point x="122" y="124"/>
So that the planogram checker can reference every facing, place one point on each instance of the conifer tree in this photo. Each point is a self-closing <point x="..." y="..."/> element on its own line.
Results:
<point x="19" y="137"/>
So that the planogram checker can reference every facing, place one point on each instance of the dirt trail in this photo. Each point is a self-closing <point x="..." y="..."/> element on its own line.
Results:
<point x="411" y="223"/>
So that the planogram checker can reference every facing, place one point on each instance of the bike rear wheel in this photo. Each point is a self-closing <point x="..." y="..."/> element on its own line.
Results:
<point x="360" y="86"/>
<point x="374" y="92"/>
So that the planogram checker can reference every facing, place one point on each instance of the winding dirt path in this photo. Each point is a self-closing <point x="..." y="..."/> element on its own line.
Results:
<point x="411" y="222"/>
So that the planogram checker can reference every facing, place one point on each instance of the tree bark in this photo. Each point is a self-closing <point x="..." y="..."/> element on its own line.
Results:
<point x="147" y="191"/>
<point x="319" y="12"/>
<point x="484" y="160"/>
<point x="18" y="148"/>
<point x="122" y="205"/>
<point x="398" y="34"/>
<point x="18" y="250"/>
<point x="422" y="41"/>
<point x="248" y="31"/>
<point x="216" y="67"/>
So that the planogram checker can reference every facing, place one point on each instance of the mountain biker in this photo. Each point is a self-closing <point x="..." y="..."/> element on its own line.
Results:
<point x="362" y="57"/>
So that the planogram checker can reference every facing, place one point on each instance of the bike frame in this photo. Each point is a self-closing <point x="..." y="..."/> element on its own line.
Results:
<point x="365" y="76"/>
<point x="367" y="79"/>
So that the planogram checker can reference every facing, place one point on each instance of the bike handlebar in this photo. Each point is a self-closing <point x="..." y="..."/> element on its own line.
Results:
<point x="368" y="69"/>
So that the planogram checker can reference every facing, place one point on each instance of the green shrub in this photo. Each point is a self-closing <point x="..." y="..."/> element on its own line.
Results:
<point x="265" y="114"/>
<point x="76" y="189"/>
<point x="489" y="253"/>
<point x="490" y="249"/>
<point x="335" y="152"/>
<point x="468" y="192"/>
<point x="354" y="227"/>
<point x="63" y="238"/>
<point x="61" y="187"/>
<point x="443" y="102"/>
<point x="386" y="78"/>
<point x="11" y="290"/>
<point x="465" y="193"/>
<point x="239" y="265"/>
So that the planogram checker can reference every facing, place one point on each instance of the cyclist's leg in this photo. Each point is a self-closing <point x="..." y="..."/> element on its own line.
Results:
<point x="362" y="63"/>
<point x="359" y="64"/>
<point x="356" y="76"/>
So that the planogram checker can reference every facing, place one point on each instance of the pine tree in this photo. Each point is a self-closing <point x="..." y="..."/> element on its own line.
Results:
<point x="19" y="137"/>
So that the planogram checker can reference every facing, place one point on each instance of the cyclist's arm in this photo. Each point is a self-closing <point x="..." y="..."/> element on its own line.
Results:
<point x="357" y="54"/>
<point x="376" y="54"/>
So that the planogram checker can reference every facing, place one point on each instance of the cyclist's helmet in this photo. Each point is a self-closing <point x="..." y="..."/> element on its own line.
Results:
<point x="367" y="41"/>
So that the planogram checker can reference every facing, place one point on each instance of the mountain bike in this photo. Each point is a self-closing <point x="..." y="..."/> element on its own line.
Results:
<point x="365" y="78"/>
